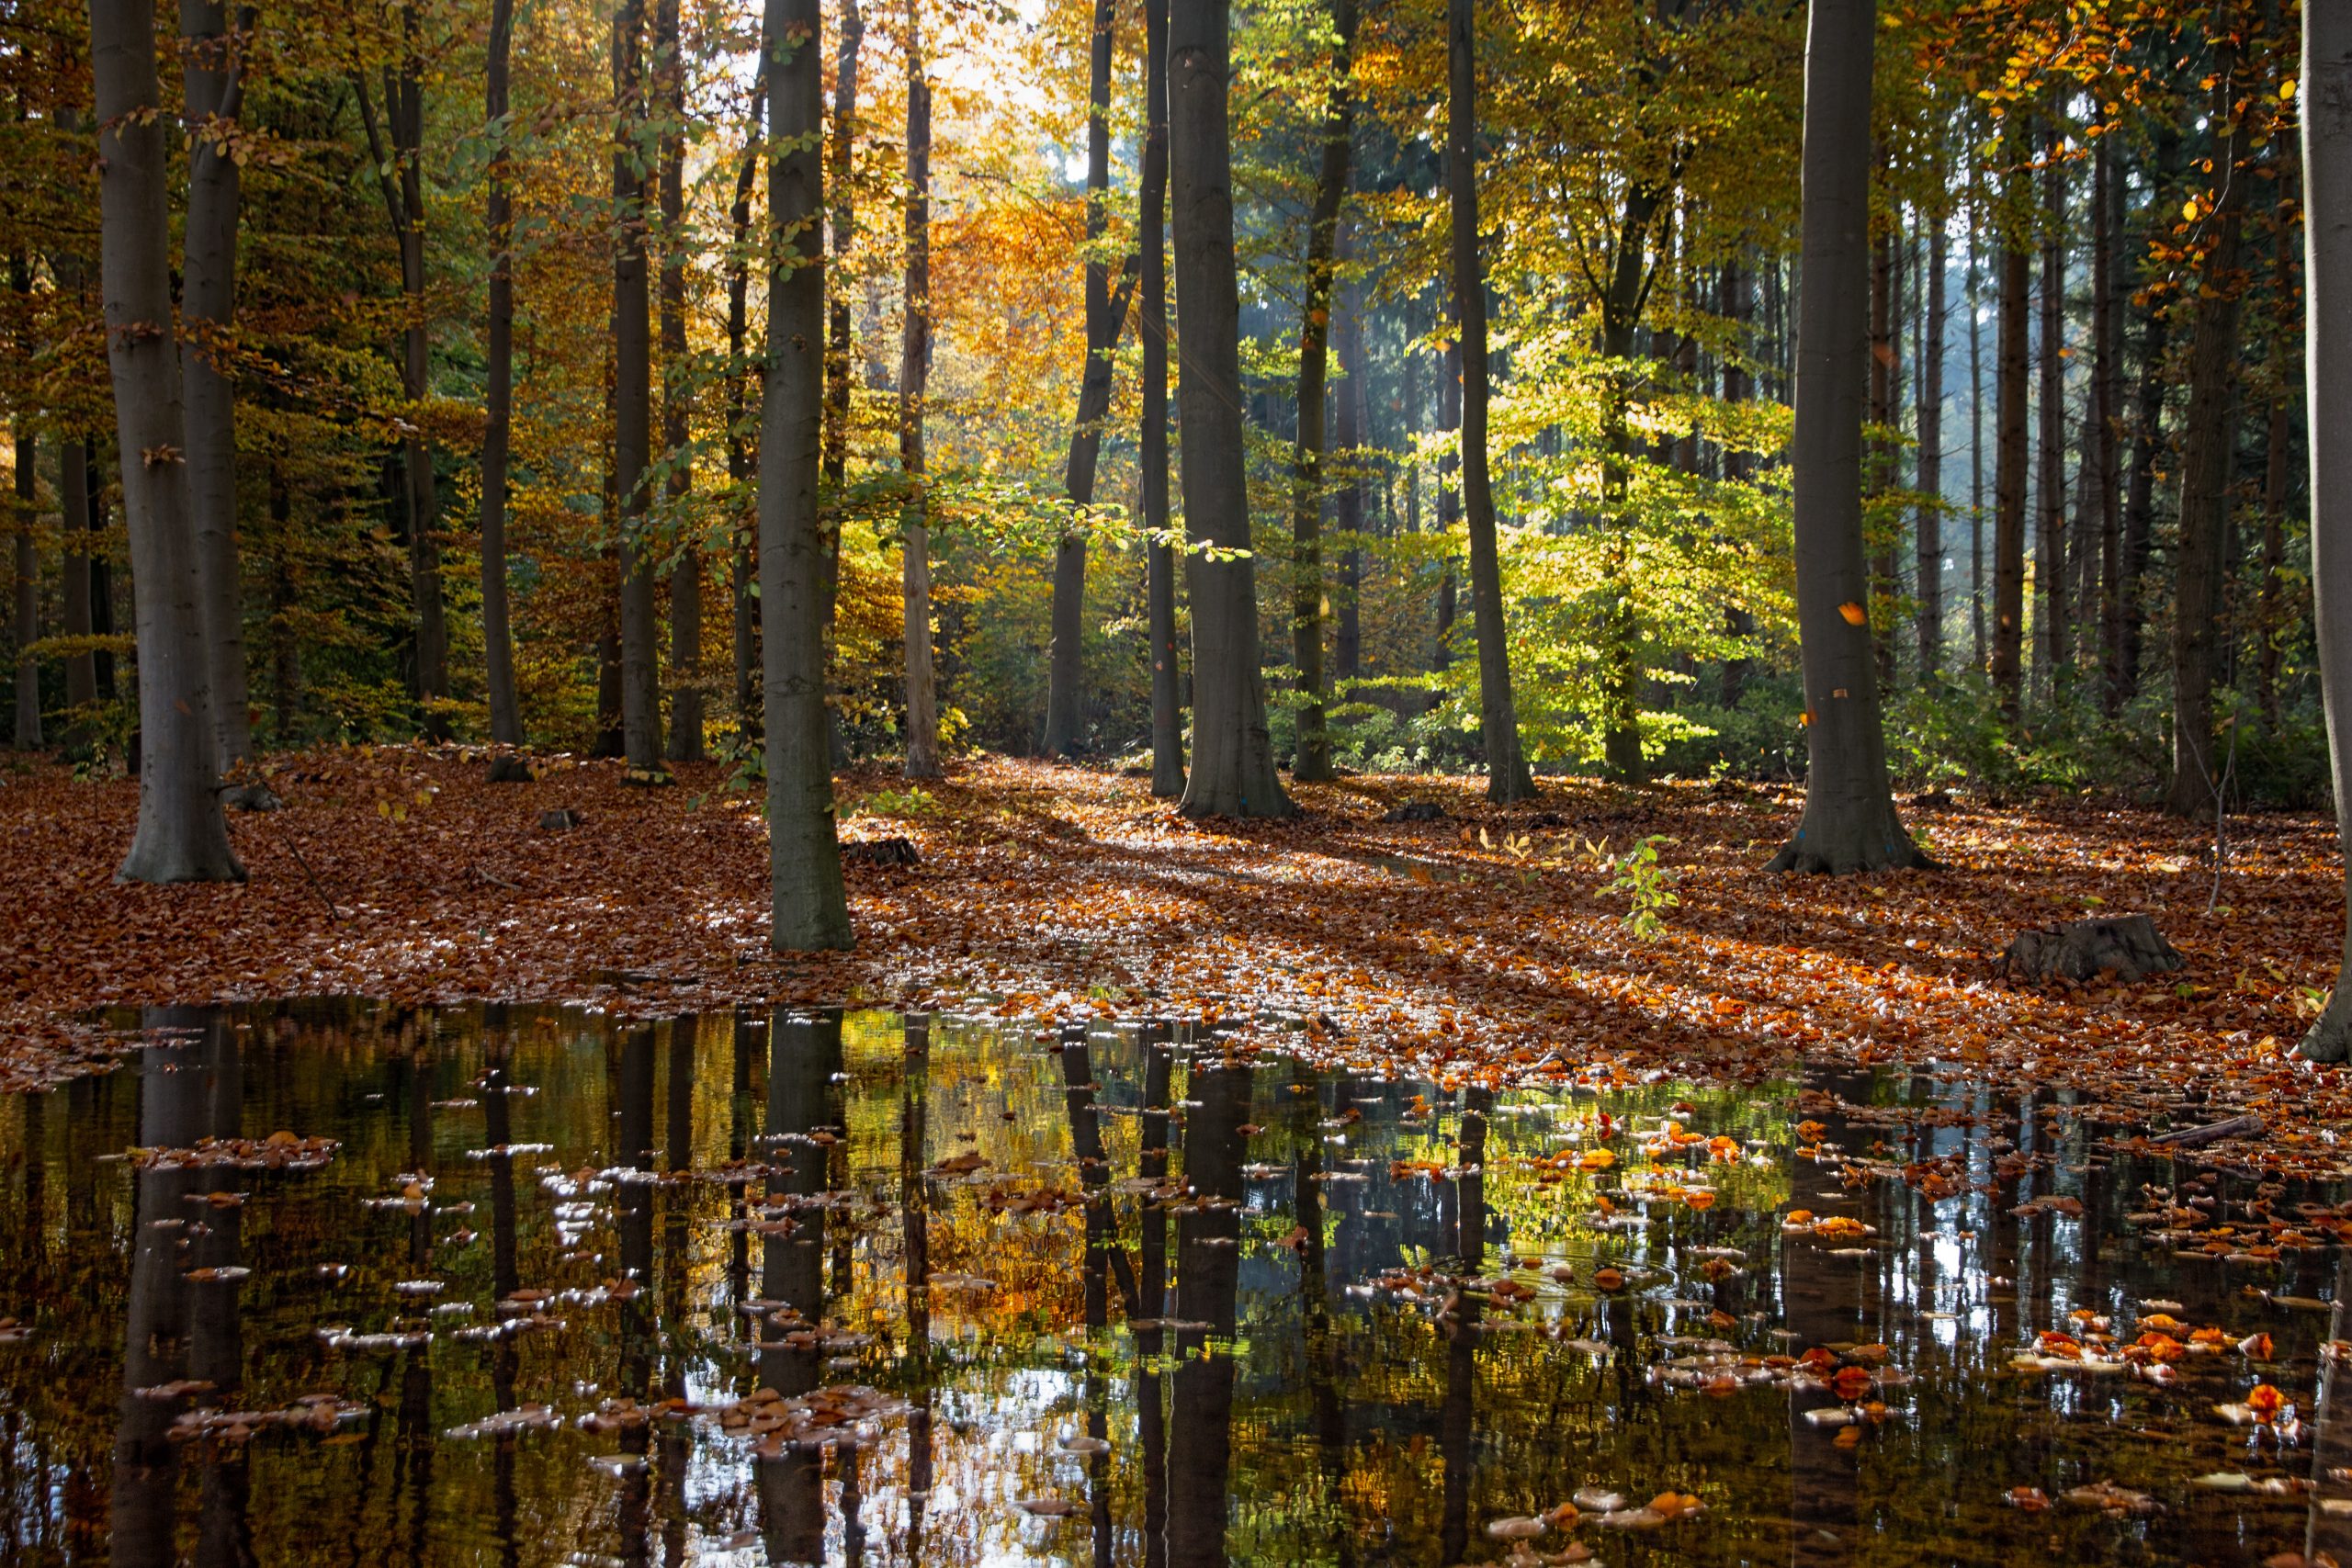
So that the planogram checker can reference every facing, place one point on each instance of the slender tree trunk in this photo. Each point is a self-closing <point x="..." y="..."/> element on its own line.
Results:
<point x="497" y="635"/>
<point x="685" y="577"/>
<point x="1310" y="601"/>
<point x="1065" y="711"/>
<point x="1233" y="762"/>
<point x="1931" y="466"/>
<point x="74" y="521"/>
<point x="2206" y="443"/>
<point x="214" y="88"/>
<point x="739" y="448"/>
<point x="2051" y="648"/>
<point x="2326" y="80"/>
<point x="835" y="464"/>
<point x="1449" y="501"/>
<point x="632" y="401"/>
<point x="1850" y="822"/>
<point x="2148" y="442"/>
<point x="2271" y="612"/>
<point x="1167" y="699"/>
<point x="1975" y="433"/>
<point x="1878" y="453"/>
<point x="914" y="375"/>
<point x="2008" y="481"/>
<point x="181" y="835"/>
<point x="1738" y="305"/>
<point x="1348" y="509"/>
<point x="809" y="908"/>
<point x="1508" y="779"/>
<point x="2107" y="188"/>
<point x="27" y="578"/>
<point x="1620" y="634"/>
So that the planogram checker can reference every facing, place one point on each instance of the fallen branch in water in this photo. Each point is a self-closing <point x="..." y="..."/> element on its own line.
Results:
<point x="2190" y="1137"/>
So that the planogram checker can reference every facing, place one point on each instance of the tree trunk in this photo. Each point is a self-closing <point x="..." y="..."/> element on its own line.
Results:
<point x="181" y="835"/>
<point x="73" y="524"/>
<point x="1167" y="701"/>
<point x="685" y="577"/>
<point x="2008" y="481"/>
<point x="1738" y="305"/>
<point x="1063" y="675"/>
<point x="809" y="908"/>
<point x="1347" y="507"/>
<point x="2107" y="188"/>
<point x="1849" y="822"/>
<point x="2051" y="648"/>
<point x="1620" y="654"/>
<point x="1310" y="603"/>
<point x="1975" y="435"/>
<point x="1233" y="763"/>
<point x="2206" y="454"/>
<point x="1931" y="466"/>
<point x="739" y="450"/>
<point x="914" y="375"/>
<point x="1507" y="776"/>
<point x="834" y="471"/>
<point x="1449" y="501"/>
<point x="497" y="635"/>
<point x="24" y="524"/>
<point x="1879" y="472"/>
<point x="214" y="88"/>
<point x="632" y="404"/>
<point x="2148" y="437"/>
<point x="2326" y="80"/>
<point x="2271" y="612"/>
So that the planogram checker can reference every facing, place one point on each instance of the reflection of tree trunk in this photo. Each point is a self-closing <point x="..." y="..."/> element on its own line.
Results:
<point x="633" y="1219"/>
<point x="506" y="1278"/>
<point x="1152" y="1299"/>
<point x="1457" y="1423"/>
<point x="1322" y="1346"/>
<point x="804" y="1054"/>
<point x="677" y="1441"/>
<point x="2331" y="1433"/>
<point x="1208" y="1280"/>
<point x="915" y="1246"/>
<point x="1820" y="1305"/>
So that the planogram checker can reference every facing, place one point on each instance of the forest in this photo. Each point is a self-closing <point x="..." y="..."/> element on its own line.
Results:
<point x="1271" y="781"/>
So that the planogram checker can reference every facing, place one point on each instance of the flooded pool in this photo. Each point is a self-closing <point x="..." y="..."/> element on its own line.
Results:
<point x="340" y="1283"/>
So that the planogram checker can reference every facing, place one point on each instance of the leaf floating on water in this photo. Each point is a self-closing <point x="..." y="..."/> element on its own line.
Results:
<point x="1593" y="1500"/>
<point x="2032" y="1499"/>
<point x="1049" y="1507"/>
<point x="1079" y="1445"/>
<point x="959" y="1165"/>
<point x="1521" y="1529"/>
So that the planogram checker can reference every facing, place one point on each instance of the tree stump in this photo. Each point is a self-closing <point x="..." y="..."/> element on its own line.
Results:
<point x="562" y="820"/>
<point x="880" y="852"/>
<point x="1417" y="811"/>
<point x="507" y="767"/>
<point x="2128" y="946"/>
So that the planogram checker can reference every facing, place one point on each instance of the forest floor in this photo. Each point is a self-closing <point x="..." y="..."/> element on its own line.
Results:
<point x="1484" y="944"/>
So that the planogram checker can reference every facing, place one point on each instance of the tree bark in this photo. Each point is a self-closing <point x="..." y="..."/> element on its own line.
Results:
<point x="1976" y="434"/>
<point x="2008" y="481"/>
<point x="1738" y="305"/>
<point x="1310" y="601"/>
<point x="213" y="90"/>
<point x="2326" y="80"/>
<point x="1931" y="466"/>
<point x="739" y="450"/>
<point x="834" y="469"/>
<point x="809" y="908"/>
<point x="685" y="577"/>
<point x="1850" y="822"/>
<point x="74" y="523"/>
<point x="2107" y="187"/>
<point x="2271" y="612"/>
<point x="1879" y="473"/>
<point x="1620" y="653"/>
<point x="1347" y="506"/>
<point x="1167" y="700"/>
<point x="632" y="402"/>
<point x="1065" y="673"/>
<point x="497" y="635"/>
<point x="181" y="835"/>
<point x="2050" y="644"/>
<point x="24" y="524"/>
<point x="2148" y="437"/>
<point x="914" y="375"/>
<point x="1233" y="763"/>
<point x="1508" y="779"/>
<point x="2205" y="454"/>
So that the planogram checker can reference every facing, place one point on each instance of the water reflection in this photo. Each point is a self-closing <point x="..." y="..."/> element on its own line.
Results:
<point x="864" y="1289"/>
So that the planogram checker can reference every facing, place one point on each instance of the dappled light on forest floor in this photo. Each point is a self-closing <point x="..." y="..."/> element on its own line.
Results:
<point x="1484" y="943"/>
<point x="546" y="1285"/>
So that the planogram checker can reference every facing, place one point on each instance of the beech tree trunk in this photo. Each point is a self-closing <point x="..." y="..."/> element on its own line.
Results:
<point x="497" y="635"/>
<point x="1975" y="435"/>
<point x="2327" y="369"/>
<point x="1310" y="601"/>
<point x="738" y="449"/>
<point x="1167" y="699"/>
<point x="181" y="835"/>
<point x="1931" y="466"/>
<point x="685" y="577"/>
<point x="23" y="521"/>
<point x="74" y="522"/>
<point x="914" y="375"/>
<point x="2008" y="481"/>
<point x="834" y="469"/>
<point x="1850" y="822"/>
<point x="1233" y="762"/>
<point x="1507" y="776"/>
<point x="632" y="402"/>
<point x="2205" y="454"/>
<point x="1347" y="506"/>
<point x="1065" y="673"/>
<point x="213" y="88"/>
<point x="2051" y="645"/>
<point x="809" y="908"/>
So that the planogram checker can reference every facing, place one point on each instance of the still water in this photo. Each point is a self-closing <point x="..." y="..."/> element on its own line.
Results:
<point x="338" y="1283"/>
